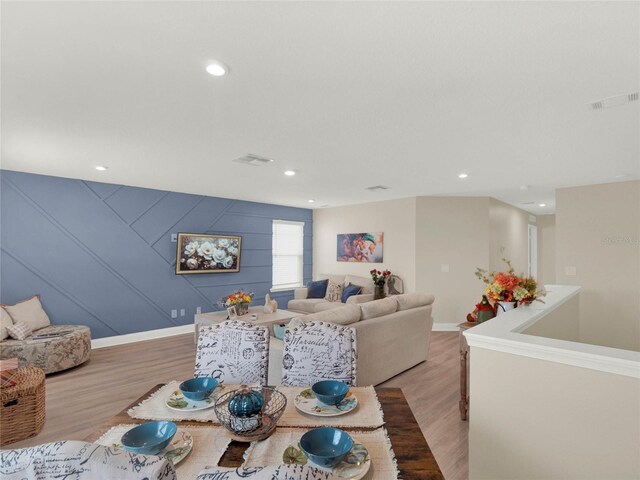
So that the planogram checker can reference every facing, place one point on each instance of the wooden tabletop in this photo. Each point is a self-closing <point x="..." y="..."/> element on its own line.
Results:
<point x="414" y="457"/>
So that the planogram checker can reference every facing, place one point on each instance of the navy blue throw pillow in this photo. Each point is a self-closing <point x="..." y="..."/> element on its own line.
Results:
<point x="317" y="289"/>
<point x="350" y="290"/>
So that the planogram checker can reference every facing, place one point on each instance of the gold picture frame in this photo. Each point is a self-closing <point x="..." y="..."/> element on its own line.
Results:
<point x="207" y="253"/>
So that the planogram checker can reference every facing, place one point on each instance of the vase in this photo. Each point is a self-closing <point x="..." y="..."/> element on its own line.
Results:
<point x="378" y="292"/>
<point x="242" y="308"/>
<point x="504" y="307"/>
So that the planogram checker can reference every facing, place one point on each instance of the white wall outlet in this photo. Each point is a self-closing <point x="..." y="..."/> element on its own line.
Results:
<point x="174" y="313"/>
<point x="444" y="268"/>
<point x="570" y="271"/>
<point x="174" y="237"/>
<point x="182" y="312"/>
<point x="198" y="309"/>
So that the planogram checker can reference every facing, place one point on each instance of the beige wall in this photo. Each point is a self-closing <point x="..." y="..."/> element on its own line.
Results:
<point x="598" y="235"/>
<point x="454" y="232"/>
<point x="509" y="237"/>
<point x="533" y="419"/>
<point x="395" y="218"/>
<point x="562" y="323"/>
<point x="546" y="249"/>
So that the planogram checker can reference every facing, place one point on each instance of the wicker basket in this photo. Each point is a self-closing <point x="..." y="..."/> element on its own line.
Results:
<point x="22" y="408"/>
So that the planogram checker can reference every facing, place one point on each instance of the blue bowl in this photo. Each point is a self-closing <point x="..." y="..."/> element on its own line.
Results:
<point x="330" y="392"/>
<point x="326" y="446"/>
<point x="198" y="388"/>
<point x="149" y="438"/>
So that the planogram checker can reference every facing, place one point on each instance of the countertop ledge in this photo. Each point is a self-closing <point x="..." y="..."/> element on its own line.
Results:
<point x="503" y="334"/>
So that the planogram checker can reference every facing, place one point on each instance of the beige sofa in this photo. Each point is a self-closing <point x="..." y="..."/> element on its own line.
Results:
<point x="392" y="335"/>
<point x="302" y="304"/>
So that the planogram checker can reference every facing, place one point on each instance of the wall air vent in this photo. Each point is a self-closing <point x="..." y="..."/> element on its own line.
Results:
<point x="253" y="160"/>
<point x="613" y="101"/>
<point x="377" y="188"/>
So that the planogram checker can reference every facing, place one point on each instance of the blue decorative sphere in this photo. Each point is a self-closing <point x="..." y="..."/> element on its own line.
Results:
<point x="246" y="402"/>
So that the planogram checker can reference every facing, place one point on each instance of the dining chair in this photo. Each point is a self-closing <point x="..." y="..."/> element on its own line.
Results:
<point x="317" y="351"/>
<point x="82" y="461"/>
<point x="233" y="352"/>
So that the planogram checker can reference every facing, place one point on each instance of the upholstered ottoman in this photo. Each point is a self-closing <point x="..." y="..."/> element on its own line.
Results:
<point x="53" y="348"/>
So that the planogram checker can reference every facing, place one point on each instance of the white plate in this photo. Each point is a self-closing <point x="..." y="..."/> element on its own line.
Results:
<point x="179" y="403"/>
<point x="180" y="446"/>
<point x="346" y="469"/>
<point x="306" y="402"/>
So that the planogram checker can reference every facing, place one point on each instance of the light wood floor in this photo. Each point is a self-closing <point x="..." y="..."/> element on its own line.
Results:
<point x="79" y="400"/>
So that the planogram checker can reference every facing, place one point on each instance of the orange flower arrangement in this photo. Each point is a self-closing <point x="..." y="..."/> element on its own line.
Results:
<point x="509" y="287"/>
<point x="237" y="298"/>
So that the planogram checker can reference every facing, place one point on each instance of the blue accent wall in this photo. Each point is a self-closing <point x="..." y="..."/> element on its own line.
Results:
<point x="101" y="255"/>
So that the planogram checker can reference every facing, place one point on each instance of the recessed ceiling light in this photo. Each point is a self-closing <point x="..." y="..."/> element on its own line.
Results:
<point x="463" y="175"/>
<point x="622" y="175"/>
<point x="101" y="168"/>
<point x="312" y="201"/>
<point x="542" y="204"/>
<point x="217" y="69"/>
<point x="289" y="173"/>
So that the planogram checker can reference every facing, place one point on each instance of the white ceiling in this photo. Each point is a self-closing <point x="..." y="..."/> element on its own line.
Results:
<point x="349" y="94"/>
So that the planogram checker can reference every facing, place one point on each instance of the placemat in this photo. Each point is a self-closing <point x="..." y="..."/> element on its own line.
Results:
<point x="269" y="451"/>
<point x="209" y="444"/>
<point x="155" y="408"/>
<point x="368" y="413"/>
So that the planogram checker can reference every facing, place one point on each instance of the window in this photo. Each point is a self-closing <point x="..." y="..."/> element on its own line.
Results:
<point x="287" y="254"/>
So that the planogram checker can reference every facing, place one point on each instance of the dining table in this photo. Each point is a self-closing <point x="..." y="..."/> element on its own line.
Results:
<point x="415" y="460"/>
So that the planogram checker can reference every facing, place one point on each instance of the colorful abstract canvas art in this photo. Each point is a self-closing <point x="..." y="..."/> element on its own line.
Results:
<point x="360" y="247"/>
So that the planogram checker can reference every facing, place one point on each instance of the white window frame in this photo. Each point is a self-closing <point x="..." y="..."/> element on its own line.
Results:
<point x="300" y="258"/>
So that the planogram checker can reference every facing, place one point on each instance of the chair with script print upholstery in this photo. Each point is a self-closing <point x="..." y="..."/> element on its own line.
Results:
<point x="319" y="351"/>
<point x="233" y="352"/>
<point x="70" y="459"/>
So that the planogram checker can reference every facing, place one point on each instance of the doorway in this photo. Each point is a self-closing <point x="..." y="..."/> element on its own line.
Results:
<point x="533" y="251"/>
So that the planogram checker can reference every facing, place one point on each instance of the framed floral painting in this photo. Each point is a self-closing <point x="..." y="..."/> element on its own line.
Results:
<point x="203" y="253"/>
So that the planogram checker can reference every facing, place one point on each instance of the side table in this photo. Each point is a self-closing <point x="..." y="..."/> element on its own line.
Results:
<point x="464" y="369"/>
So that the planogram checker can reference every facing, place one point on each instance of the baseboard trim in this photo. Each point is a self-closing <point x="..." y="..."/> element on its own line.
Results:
<point x="444" y="327"/>
<point x="141" y="336"/>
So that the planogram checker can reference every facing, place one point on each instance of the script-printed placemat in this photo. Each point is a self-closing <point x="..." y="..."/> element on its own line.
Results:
<point x="154" y="407"/>
<point x="269" y="451"/>
<point x="368" y="413"/>
<point x="209" y="444"/>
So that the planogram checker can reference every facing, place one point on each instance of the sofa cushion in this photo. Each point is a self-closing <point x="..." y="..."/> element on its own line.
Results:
<point x="349" y="291"/>
<point x="413" y="300"/>
<point x="365" y="282"/>
<point x="317" y="289"/>
<point x="378" y="308"/>
<point x="306" y="305"/>
<point x="324" y="306"/>
<point x="29" y="311"/>
<point x="343" y="315"/>
<point x="19" y="330"/>
<point x="5" y="321"/>
<point x="334" y="292"/>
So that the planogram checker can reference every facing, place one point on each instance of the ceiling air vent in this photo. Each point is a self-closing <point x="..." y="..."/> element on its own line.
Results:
<point x="613" y="101"/>
<point x="253" y="160"/>
<point x="376" y="188"/>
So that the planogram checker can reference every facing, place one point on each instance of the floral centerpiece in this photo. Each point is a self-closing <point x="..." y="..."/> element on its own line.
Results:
<point x="240" y="300"/>
<point x="506" y="289"/>
<point x="379" y="279"/>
